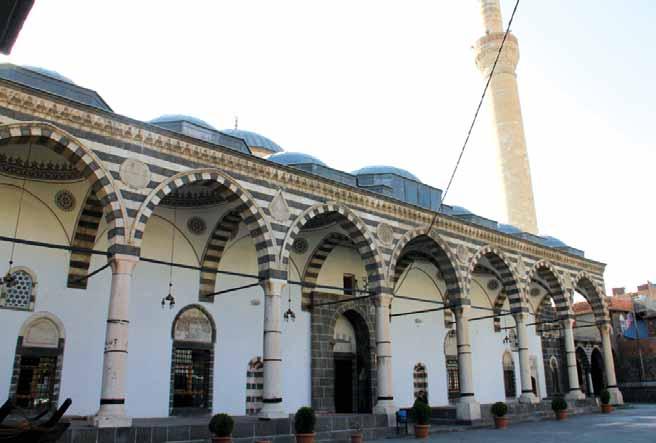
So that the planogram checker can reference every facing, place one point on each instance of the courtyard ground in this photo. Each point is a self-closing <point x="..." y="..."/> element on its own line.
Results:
<point x="633" y="424"/>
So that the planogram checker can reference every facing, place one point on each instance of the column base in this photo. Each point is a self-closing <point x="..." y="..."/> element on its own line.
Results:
<point x="529" y="398"/>
<point x="468" y="410"/>
<point x="575" y="395"/>
<point x="385" y="407"/>
<point x="270" y="411"/>
<point x="110" y="421"/>
<point x="616" y="397"/>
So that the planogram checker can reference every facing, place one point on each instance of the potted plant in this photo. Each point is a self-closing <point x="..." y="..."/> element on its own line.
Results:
<point x="356" y="434"/>
<point x="499" y="410"/>
<point x="559" y="406"/>
<point x="421" y="413"/>
<point x="304" y="422"/>
<point x="221" y="426"/>
<point x="606" y="407"/>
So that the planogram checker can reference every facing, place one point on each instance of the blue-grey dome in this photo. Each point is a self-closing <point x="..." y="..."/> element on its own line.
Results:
<point x="254" y="140"/>
<point x="49" y="73"/>
<point x="295" y="158"/>
<point x="553" y="242"/>
<point x="379" y="169"/>
<point x="459" y="210"/>
<point x="169" y="118"/>
<point x="509" y="229"/>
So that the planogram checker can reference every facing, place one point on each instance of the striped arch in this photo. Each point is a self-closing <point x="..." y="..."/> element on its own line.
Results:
<point x="83" y="159"/>
<point x="222" y="233"/>
<point x="555" y="288"/>
<point x="421" y="243"/>
<point x="509" y="281"/>
<point x="318" y="257"/>
<point x="584" y="284"/>
<point x="546" y="313"/>
<point x="357" y="232"/>
<point x="84" y="236"/>
<point x="250" y="213"/>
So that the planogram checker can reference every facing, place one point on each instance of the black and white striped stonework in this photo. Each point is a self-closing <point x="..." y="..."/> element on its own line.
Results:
<point x="508" y="280"/>
<point x="547" y="273"/>
<point x="84" y="236"/>
<point x="318" y="258"/>
<point x="82" y="159"/>
<point x="585" y="286"/>
<point x="223" y="232"/>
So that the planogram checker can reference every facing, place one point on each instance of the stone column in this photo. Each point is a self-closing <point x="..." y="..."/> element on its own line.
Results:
<point x="574" y="392"/>
<point x="609" y="366"/>
<point x="272" y="358"/>
<point x="591" y="392"/>
<point x="385" y="401"/>
<point x="467" y="408"/>
<point x="112" y="396"/>
<point x="524" y="362"/>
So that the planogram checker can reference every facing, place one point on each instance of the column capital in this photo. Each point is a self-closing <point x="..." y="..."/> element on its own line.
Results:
<point x="383" y="299"/>
<point x="460" y="310"/>
<point x="273" y="286"/>
<point x="123" y="263"/>
<point x="520" y="317"/>
<point x="604" y="328"/>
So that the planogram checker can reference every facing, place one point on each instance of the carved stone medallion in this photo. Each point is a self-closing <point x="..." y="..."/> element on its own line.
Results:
<point x="65" y="200"/>
<point x="493" y="285"/>
<point x="385" y="234"/>
<point x="196" y="225"/>
<point x="135" y="173"/>
<point x="462" y="254"/>
<point x="300" y="246"/>
<point x="278" y="208"/>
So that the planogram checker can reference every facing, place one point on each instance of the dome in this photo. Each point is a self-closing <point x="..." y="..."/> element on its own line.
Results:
<point x="169" y="118"/>
<point x="254" y="140"/>
<point x="386" y="170"/>
<point x="509" y="229"/>
<point x="553" y="242"/>
<point x="295" y="158"/>
<point x="49" y="73"/>
<point x="459" y="210"/>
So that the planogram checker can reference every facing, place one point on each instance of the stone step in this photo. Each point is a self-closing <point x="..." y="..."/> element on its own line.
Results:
<point x="445" y="412"/>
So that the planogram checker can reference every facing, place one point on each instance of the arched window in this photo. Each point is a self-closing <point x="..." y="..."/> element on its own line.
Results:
<point x="420" y="381"/>
<point x="21" y="293"/>
<point x="38" y="362"/>
<point x="254" y="386"/>
<point x="509" y="375"/>
<point x="192" y="362"/>
<point x="451" y="357"/>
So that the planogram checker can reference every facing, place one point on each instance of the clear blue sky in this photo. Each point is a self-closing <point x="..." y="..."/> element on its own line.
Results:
<point x="379" y="81"/>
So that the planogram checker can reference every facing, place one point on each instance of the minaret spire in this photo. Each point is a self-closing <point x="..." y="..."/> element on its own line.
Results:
<point x="503" y="97"/>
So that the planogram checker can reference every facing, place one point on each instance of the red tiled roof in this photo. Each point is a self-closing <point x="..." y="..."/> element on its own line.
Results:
<point x="616" y="303"/>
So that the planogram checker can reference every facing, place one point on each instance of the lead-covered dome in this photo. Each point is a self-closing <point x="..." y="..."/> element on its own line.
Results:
<point x="49" y="73"/>
<point x="173" y="118"/>
<point x="295" y="158"/>
<point x="553" y="242"/>
<point x="509" y="229"/>
<point x="382" y="169"/>
<point x="259" y="144"/>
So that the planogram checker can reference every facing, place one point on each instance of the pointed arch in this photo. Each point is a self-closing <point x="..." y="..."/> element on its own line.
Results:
<point x="546" y="272"/>
<point x="251" y="214"/>
<point x="502" y="267"/>
<point x="223" y="232"/>
<point x="318" y="258"/>
<point x="425" y="243"/>
<point x="84" y="237"/>
<point x="584" y="284"/>
<point x="83" y="160"/>
<point x="357" y="232"/>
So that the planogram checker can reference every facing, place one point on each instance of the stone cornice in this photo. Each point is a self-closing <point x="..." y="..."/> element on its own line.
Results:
<point x="59" y="110"/>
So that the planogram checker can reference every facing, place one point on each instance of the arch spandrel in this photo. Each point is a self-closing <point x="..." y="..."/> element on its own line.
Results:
<point x="584" y="284"/>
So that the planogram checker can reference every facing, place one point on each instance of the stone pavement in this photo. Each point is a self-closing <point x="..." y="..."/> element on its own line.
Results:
<point x="634" y="424"/>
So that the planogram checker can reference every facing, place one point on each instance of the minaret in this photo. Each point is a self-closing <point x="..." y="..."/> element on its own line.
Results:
<point x="507" y="117"/>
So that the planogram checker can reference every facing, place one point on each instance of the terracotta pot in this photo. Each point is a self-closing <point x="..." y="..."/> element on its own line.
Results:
<point x="221" y="439"/>
<point x="561" y="415"/>
<point x="356" y="437"/>
<point x="421" y="431"/>
<point x="305" y="438"/>
<point x="501" y="422"/>
<point x="606" y="409"/>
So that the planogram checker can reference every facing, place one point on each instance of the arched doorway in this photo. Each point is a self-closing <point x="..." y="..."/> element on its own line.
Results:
<point x="451" y="358"/>
<point x="597" y="371"/>
<point x="352" y="364"/>
<point x="509" y="375"/>
<point x="192" y="362"/>
<point x="582" y="370"/>
<point x="38" y="362"/>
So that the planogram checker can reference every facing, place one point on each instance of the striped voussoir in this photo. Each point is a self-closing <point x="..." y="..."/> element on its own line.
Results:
<point x="546" y="316"/>
<point x="594" y="295"/>
<point x="250" y="213"/>
<point x="84" y="237"/>
<point x="82" y="159"/>
<point x="545" y="271"/>
<point x="319" y="256"/>
<point x="509" y="282"/>
<point x="356" y="230"/>
<point x="223" y="232"/>
<point x="422" y="244"/>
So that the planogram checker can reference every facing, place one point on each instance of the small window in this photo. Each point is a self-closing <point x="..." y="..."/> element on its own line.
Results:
<point x="20" y="293"/>
<point x="349" y="284"/>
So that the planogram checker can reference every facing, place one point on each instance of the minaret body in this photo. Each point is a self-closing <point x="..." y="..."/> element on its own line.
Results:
<point x="503" y="97"/>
